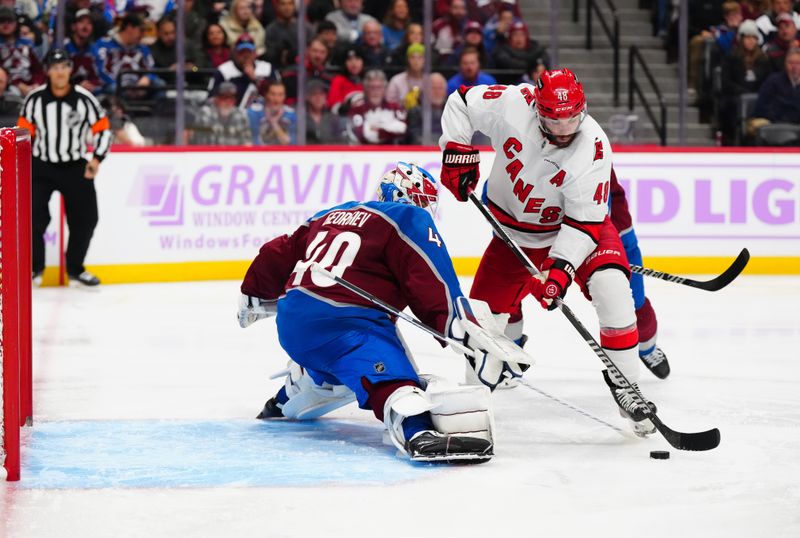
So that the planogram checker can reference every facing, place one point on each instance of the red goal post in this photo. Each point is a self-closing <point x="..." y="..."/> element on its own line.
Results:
<point x="15" y="294"/>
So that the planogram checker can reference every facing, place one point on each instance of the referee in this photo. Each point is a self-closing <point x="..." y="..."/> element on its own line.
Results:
<point x="60" y="117"/>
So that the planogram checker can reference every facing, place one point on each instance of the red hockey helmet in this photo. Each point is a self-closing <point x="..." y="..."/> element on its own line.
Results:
<point x="560" y="105"/>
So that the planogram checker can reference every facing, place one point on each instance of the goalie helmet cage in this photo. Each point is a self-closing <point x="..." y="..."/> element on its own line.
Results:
<point x="15" y="294"/>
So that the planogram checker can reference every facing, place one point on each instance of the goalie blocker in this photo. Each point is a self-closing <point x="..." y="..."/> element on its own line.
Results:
<point x="495" y="356"/>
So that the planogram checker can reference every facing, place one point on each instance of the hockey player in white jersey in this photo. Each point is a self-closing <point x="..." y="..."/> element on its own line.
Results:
<point x="549" y="187"/>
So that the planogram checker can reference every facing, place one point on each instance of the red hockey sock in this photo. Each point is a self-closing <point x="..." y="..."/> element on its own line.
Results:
<point x="646" y="321"/>
<point x="380" y="392"/>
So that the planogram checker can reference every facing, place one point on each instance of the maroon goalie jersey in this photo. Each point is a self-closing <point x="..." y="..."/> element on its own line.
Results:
<point x="389" y="249"/>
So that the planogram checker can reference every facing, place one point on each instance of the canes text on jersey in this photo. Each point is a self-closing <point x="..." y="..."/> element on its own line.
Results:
<point x="522" y="190"/>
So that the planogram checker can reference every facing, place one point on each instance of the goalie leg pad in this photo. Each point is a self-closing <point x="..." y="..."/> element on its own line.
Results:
<point x="462" y="431"/>
<point x="308" y="400"/>
<point x="463" y="411"/>
<point x="405" y="401"/>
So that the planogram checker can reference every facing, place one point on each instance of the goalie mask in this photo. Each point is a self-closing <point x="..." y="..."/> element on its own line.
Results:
<point x="409" y="184"/>
<point x="560" y="106"/>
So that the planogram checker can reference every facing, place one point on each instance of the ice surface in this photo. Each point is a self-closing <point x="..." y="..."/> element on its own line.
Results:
<point x="144" y="397"/>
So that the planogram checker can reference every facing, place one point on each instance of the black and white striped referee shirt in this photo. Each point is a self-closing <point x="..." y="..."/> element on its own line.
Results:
<point x="60" y="126"/>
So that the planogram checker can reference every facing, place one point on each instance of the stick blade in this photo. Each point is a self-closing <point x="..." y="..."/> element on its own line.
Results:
<point x="699" y="442"/>
<point x="730" y="273"/>
<point x="696" y="442"/>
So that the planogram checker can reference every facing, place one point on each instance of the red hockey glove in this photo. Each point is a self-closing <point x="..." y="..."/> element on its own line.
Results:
<point x="556" y="277"/>
<point x="460" y="171"/>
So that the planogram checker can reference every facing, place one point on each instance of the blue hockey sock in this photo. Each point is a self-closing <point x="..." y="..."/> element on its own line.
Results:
<point x="414" y="424"/>
<point x="281" y="396"/>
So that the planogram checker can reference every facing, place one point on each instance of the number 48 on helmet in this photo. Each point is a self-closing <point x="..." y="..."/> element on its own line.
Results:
<point x="560" y="106"/>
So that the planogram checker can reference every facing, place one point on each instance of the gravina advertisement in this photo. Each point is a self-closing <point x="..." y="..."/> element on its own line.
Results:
<point x="168" y="207"/>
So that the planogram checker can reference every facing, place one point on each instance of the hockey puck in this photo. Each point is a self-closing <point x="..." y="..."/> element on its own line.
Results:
<point x="659" y="454"/>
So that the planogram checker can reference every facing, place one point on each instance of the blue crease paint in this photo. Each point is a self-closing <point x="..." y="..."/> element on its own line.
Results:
<point x="189" y="454"/>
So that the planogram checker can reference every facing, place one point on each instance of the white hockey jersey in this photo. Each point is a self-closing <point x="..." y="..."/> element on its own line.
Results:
<point x="543" y="195"/>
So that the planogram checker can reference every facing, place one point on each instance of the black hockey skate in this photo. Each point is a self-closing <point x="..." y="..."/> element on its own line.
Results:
<point x="433" y="446"/>
<point x="85" y="279"/>
<point x="656" y="362"/>
<point x="642" y="426"/>
<point x="272" y="409"/>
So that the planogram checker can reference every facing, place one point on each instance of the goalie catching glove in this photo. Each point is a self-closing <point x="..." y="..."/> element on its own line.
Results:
<point x="460" y="171"/>
<point x="495" y="357"/>
<point x="252" y="309"/>
<point x="553" y="282"/>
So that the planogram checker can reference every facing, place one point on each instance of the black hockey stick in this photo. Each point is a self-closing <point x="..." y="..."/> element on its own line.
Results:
<point x="706" y="440"/>
<point x="715" y="284"/>
<point x="578" y="410"/>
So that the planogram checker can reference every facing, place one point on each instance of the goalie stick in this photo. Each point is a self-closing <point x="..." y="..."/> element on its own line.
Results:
<point x="698" y="441"/>
<point x="715" y="284"/>
<point x="578" y="410"/>
<point x="389" y="309"/>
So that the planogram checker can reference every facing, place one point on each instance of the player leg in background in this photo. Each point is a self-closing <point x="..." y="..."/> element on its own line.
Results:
<point x="42" y="188"/>
<point x="603" y="277"/>
<point x="502" y="281"/>
<point x="80" y="201"/>
<point x="364" y="353"/>
<point x="651" y="355"/>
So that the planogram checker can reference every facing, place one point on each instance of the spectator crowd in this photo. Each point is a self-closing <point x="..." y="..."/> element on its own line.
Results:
<point x="364" y="64"/>
<point x="744" y="62"/>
